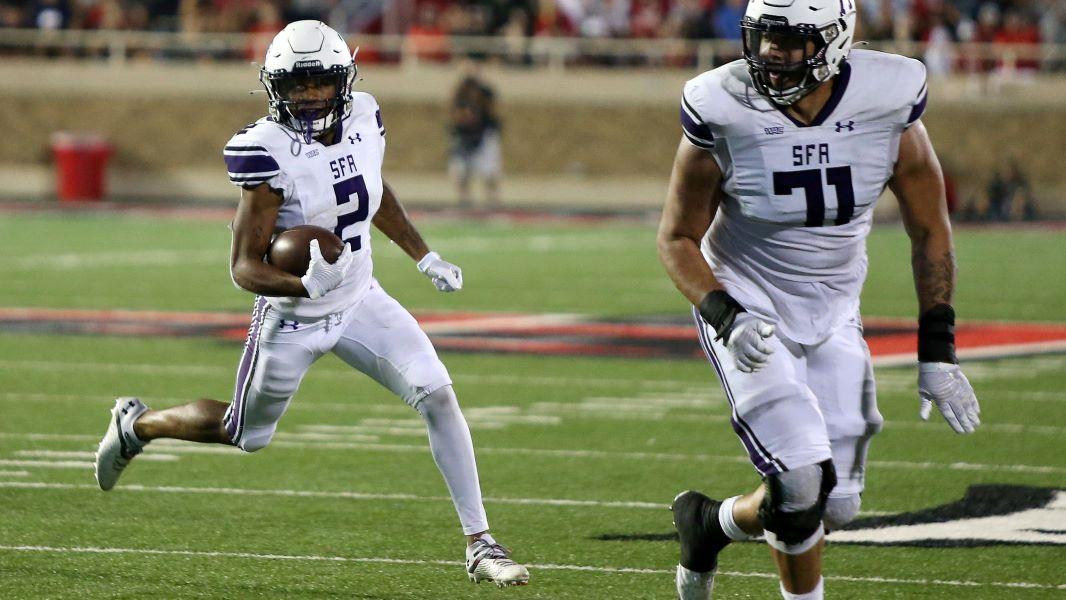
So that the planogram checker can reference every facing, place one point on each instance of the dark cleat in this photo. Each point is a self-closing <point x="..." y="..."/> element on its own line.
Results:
<point x="702" y="538"/>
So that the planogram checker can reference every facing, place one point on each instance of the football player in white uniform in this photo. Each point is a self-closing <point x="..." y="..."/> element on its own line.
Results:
<point x="783" y="156"/>
<point x="317" y="160"/>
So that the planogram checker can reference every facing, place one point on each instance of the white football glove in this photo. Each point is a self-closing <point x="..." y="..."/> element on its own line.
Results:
<point x="446" y="276"/>
<point x="321" y="276"/>
<point x="747" y="342"/>
<point x="946" y="386"/>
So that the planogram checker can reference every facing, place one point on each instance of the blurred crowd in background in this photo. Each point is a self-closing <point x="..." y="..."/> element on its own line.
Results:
<point x="1005" y="21"/>
<point x="442" y="30"/>
<point x="433" y="31"/>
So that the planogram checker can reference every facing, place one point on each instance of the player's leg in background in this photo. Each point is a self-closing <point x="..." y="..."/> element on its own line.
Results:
<point x="488" y="164"/>
<point x="459" y="170"/>
<point x="841" y="376"/>
<point x="776" y="417"/>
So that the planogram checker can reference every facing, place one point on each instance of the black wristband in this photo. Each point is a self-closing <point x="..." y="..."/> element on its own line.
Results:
<point x="719" y="309"/>
<point x="936" y="335"/>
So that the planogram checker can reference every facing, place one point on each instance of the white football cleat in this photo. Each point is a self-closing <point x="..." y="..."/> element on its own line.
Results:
<point x="492" y="562"/>
<point x="120" y="444"/>
<point x="693" y="585"/>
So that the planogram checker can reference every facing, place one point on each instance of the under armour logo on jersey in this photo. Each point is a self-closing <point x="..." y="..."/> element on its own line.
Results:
<point x="357" y="138"/>
<point x="841" y="126"/>
<point x="283" y="324"/>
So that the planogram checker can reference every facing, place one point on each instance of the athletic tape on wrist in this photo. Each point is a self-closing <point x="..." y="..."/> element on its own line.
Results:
<point x="719" y="309"/>
<point x="936" y="335"/>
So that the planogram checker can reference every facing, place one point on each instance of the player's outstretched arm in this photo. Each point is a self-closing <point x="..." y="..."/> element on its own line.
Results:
<point x="392" y="220"/>
<point x="253" y="228"/>
<point x="919" y="187"/>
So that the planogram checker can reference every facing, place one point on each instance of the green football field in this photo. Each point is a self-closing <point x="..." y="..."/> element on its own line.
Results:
<point x="579" y="456"/>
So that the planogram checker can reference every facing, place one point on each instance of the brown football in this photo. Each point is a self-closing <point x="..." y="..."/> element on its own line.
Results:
<point x="290" y="252"/>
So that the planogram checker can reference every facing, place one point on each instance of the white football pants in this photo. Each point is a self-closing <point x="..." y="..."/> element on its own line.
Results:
<point x="378" y="337"/>
<point x="807" y="404"/>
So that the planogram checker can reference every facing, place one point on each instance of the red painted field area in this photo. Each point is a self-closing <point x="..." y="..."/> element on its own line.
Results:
<point x="892" y="341"/>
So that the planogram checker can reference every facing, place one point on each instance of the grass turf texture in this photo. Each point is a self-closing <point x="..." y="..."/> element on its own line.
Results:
<point x="109" y="261"/>
<point x="554" y="441"/>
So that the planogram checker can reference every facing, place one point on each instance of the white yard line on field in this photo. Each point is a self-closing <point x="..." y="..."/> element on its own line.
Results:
<point x="542" y="567"/>
<point x="709" y="397"/>
<point x="156" y="457"/>
<point x="618" y="408"/>
<point x="338" y="495"/>
<point x="14" y="473"/>
<point x="164" y="369"/>
<point x="81" y="260"/>
<point x="48" y="464"/>
<point x="325" y="441"/>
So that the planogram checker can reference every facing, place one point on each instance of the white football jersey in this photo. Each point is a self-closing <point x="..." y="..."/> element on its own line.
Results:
<point x="789" y="239"/>
<point x="337" y="187"/>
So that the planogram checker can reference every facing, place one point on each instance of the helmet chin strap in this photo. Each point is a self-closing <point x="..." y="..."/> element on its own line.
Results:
<point x="305" y="125"/>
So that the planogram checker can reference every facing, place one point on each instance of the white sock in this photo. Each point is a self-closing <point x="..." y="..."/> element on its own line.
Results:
<point x="729" y="526"/>
<point x="453" y="451"/>
<point x="816" y="594"/>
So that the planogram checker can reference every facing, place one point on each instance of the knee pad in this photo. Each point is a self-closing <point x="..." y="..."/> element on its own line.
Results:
<point x="841" y="511"/>
<point x="791" y="512"/>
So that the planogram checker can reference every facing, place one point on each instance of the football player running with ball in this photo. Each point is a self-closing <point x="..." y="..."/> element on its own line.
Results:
<point x="783" y="156"/>
<point x="317" y="160"/>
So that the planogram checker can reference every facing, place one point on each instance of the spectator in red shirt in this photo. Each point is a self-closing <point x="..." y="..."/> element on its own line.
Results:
<point x="427" y="36"/>
<point x="266" y="23"/>
<point x="646" y="18"/>
<point x="1019" y="30"/>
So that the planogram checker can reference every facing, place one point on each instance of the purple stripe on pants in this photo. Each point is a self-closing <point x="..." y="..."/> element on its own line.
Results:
<point x="235" y="414"/>
<point x="760" y="458"/>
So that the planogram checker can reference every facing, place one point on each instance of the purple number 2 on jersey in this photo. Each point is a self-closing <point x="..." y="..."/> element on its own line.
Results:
<point x="345" y="190"/>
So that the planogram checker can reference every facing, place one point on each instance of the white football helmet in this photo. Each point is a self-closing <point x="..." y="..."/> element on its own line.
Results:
<point x="793" y="46"/>
<point x="302" y="52"/>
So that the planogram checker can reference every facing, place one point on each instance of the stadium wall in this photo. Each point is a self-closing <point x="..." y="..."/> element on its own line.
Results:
<point x="592" y="129"/>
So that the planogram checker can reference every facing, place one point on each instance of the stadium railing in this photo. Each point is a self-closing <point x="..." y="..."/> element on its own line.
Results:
<point x="556" y="53"/>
